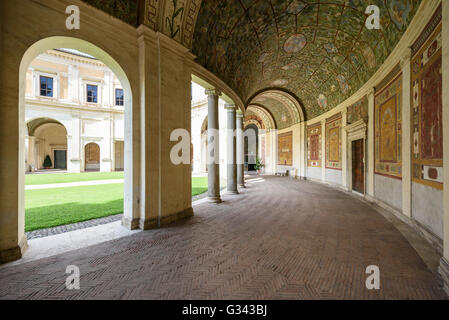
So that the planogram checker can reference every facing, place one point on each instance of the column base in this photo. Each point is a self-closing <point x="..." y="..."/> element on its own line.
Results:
<point x="444" y="272"/>
<point x="215" y="199"/>
<point x="14" y="254"/>
<point x="130" y="224"/>
<point x="242" y="186"/>
<point x="153" y="223"/>
<point x="232" y="192"/>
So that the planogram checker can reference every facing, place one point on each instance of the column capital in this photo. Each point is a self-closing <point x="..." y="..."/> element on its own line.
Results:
<point x="213" y="92"/>
<point x="406" y="57"/>
<point x="323" y="121"/>
<point x="239" y="115"/>
<point x="371" y="92"/>
<point x="230" y="107"/>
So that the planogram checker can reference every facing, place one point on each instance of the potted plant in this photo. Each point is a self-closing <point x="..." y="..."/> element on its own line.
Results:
<point x="259" y="165"/>
<point x="47" y="162"/>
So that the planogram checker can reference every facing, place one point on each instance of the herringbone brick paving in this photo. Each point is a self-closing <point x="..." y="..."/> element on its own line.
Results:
<point x="279" y="239"/>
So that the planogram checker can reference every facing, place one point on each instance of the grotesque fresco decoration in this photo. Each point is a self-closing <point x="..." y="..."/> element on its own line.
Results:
<point x="358" y="110"/>
<point x="285" y="149"/>
<point x="314" y="145"/>
<point x="388" y="130"/>
<point x="333" y="142"/>
<point x="320" y="51"/>
<point x="124" y="10"/>
<point x="282" y="109"/>
<point x="427" y="123"/>
<point x="254" y="119"/>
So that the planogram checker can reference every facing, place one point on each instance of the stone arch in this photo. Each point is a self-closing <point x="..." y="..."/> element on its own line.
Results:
<point x="264" y="114"/>
<point x="46" y="136"/>
<point x="284" y="108"/>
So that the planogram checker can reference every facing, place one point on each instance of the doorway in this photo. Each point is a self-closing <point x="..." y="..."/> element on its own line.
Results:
<point x="358" y="166"/>
<point x="60" y="157"/>
<point x="92" y="157"/>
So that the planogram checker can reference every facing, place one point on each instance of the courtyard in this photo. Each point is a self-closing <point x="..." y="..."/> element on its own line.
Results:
<point x="57" y="199"/>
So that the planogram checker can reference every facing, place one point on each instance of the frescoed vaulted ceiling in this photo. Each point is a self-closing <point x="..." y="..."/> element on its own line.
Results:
<point x="319" y="50"/>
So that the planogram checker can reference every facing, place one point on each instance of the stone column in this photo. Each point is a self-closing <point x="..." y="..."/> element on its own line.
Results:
<point x="370" y="158"/>
<point x="240" y="151"/>
<point x="31" y="153"/>
<point x="406" y="134"/>
<point x="323" y="150"/>
<point x="444" y="265"/>
<point x="213" y="145"/>
<point x="231" y="150"/>
<point x="344" y="149"/>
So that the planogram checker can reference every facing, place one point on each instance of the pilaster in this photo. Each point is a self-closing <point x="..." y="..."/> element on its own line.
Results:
<point x="444" y="266"/>
<point x="370" y="147"/>
<point x="344" y="149"/>
<point x="323" y="150"/>
<point x="406" y="136"/>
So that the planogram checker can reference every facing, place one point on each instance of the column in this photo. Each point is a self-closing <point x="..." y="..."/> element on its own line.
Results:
<point x="213" y="145"/>
<point x="406" y="134"/>
<point x="231" y="150"/>
<point x="444" y="265"/>
<point x="344" y="149"/>
<point x="323" y="150"/>
<point x="370" y="158"/>
<point x="31" y="153"/>
<point x="240" y="151"/>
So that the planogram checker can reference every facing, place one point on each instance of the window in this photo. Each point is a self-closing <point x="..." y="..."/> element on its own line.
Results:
<point x="92" y="93"/>
<point x="46" y="86"/>
<point x="119" y="97"/>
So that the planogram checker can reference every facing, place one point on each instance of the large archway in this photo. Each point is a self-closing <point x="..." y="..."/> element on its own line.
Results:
<point x="90" y="49"/>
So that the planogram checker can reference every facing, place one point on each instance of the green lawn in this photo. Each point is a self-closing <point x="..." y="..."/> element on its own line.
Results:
<point x="199" y="185"/>
<point x="49" y="178"/>
<point x="45" y="208"/>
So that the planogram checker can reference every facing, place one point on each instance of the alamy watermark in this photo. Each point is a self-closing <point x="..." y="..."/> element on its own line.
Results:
<point x="73" y="280"/>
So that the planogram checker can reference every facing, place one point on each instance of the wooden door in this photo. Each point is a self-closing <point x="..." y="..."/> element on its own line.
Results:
<point x="92" y="157"/>
<point x="358" y="166"/>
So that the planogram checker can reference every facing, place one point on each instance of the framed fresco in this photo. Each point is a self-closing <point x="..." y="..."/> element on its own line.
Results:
<point x="358" y="110"/>
<point x="285" y="149"/>
<point x="333" y="142"/>
<point x="314" y="145"/>
<point x="388" y="128"/>
<point x="426" y="112"/>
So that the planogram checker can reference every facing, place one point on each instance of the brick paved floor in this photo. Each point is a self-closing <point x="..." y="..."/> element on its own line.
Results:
<point x="279" y="239"/>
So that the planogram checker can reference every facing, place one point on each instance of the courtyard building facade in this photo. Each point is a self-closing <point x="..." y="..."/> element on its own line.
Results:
<point x="74" y="113"/>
